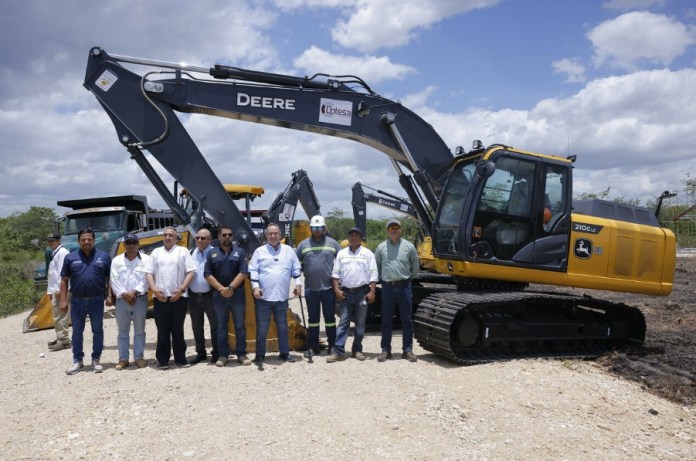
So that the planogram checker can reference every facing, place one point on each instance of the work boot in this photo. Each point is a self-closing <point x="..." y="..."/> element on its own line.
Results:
<point x="410" y="356"/>
<point x="59" y="346"/>
<point x="332" y="358"/>
<point x="96" y="366"/>
<point x="140" y="363"/>
<point x="52" y="343"/>
<point x="258" y="360"/>
<point x="384" y="356"/>
<point x="244" y="360"/>
<point x="221" y="362"/>
<point x="74" y="368"/>
<point x="121" y="364"/>
<point x="314" y="352"/>
<point x="359" y="355"/>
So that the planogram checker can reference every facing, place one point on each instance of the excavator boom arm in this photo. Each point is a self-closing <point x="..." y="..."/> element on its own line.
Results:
<point x="143" y="108"/>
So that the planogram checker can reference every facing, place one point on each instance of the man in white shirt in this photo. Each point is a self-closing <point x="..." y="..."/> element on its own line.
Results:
<point x="129" y="287"/>
<point x="270" y="269"/>
<point x="355" y="278"/>
<point x="61" y="318"/>
<point x="169" y="274"/>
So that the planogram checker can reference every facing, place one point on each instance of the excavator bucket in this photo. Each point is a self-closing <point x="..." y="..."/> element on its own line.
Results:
<point x="297" y="335"/>
<point x="41" y="317"/>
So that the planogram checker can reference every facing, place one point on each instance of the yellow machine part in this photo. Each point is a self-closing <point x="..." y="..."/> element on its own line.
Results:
<point x="41" y="317"/>
<point x="301" y="230"/>
<point x="625" y="257"/>
<point x="425" y="254"/>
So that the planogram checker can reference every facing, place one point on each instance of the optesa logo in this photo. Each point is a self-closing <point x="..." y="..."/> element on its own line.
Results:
<point x="329" y="110"/>
<point x="335" y="111"/>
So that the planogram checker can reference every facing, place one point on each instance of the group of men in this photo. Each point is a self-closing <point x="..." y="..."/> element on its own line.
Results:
<point x="209" y="282"/>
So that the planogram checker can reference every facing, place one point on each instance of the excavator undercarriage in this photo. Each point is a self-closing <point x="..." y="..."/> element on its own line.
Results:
<point x="473" y="328"/>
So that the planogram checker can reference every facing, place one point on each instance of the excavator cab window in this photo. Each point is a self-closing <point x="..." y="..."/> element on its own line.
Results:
<point x="452" y="207"/>
<point x="504" y="213"/>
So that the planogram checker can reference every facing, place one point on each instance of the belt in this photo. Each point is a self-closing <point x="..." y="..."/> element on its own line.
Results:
<point x="200" y="294"/>
<point x="87" y="298"/>
<point x="361" y="287"/>
<point x="397" y="282"/>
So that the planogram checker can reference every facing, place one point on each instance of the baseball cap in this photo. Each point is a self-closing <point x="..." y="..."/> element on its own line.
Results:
<point x="355" y="229"/>
<point x="53" y="236"/>
<point x="130" y="237"/>
<point x="393" y="222"/>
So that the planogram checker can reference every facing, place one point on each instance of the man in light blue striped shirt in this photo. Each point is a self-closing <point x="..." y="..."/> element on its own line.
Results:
<point x="270" y="269"/>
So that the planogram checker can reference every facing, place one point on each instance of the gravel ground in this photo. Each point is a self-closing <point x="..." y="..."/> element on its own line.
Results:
<point x="432" y="409"/>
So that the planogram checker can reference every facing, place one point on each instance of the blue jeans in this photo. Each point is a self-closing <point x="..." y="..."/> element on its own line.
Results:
<point x="349" y="306"/>
<point x="79" y="310"/>
<point x="321" y="302"/>
<point x="401" y="295"/>
<point x="223" y="306"/>
<point x="263" y="323"/>
<point x="124" y="314"/>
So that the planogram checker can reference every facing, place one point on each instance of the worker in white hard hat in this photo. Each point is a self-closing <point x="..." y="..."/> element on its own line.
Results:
<point x="317" y="254"/>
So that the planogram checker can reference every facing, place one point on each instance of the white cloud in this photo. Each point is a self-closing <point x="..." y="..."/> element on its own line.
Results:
<point x="634" y="133"/>
<point x="632" y="4"/>
<point x="571" y="68"/>
<point x="370" y="68"/>
<point x="640" y="37"/>
<point x="375" y="24"/>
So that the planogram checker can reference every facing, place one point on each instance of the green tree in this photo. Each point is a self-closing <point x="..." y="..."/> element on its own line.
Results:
<point x="19" y="257"/>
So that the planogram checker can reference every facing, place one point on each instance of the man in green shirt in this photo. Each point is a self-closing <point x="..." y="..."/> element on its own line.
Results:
<point x="397" y="261"/>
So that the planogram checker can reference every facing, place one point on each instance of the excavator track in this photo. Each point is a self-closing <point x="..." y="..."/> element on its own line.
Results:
<point x="481" y="327"/>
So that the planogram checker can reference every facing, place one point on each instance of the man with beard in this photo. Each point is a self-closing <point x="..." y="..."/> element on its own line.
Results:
<point x="225" y="271"/>
<point x="87" y="271"/>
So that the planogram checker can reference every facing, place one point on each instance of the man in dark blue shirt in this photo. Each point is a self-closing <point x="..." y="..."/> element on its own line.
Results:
<point x="226" y="270"/>
<point x="87" y="272"/>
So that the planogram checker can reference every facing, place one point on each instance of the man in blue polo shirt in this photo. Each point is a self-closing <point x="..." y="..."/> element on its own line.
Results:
<point x="226" y="270"/>
<point x="87" y="271"/>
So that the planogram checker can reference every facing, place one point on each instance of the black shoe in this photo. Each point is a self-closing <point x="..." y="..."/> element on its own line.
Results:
<point x="258" y="360"/>
<point x="53" y="343"/>
<point x="198" y="359"/>
<point x="183" y="364"/>
<point x="214" y="358"/>
<point x="287" y="358"/>
<point x="384" y="356"/>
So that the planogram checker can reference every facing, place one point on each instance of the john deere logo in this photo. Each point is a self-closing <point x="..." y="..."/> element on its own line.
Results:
<point x="583" y="248"/>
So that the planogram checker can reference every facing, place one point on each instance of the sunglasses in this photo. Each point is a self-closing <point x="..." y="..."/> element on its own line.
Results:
<point x="226" y="235"/>
<point x="315" y="228"/>
<point x="393" y="227"/>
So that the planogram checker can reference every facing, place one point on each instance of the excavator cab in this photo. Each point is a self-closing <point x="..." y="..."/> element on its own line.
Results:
<point x="506" y="207"/>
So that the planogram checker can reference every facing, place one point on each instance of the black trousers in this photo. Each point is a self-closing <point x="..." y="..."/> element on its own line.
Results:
<point x="200" y="305"/>
<point x="169" y="319"/>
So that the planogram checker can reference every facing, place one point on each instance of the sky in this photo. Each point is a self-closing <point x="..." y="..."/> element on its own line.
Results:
<point x="610" y="81"/>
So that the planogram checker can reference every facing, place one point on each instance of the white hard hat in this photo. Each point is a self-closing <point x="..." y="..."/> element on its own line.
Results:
<point x="317" y="221"/>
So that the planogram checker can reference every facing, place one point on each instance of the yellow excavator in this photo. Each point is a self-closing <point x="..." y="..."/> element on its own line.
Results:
<point x="498" y="217"/>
